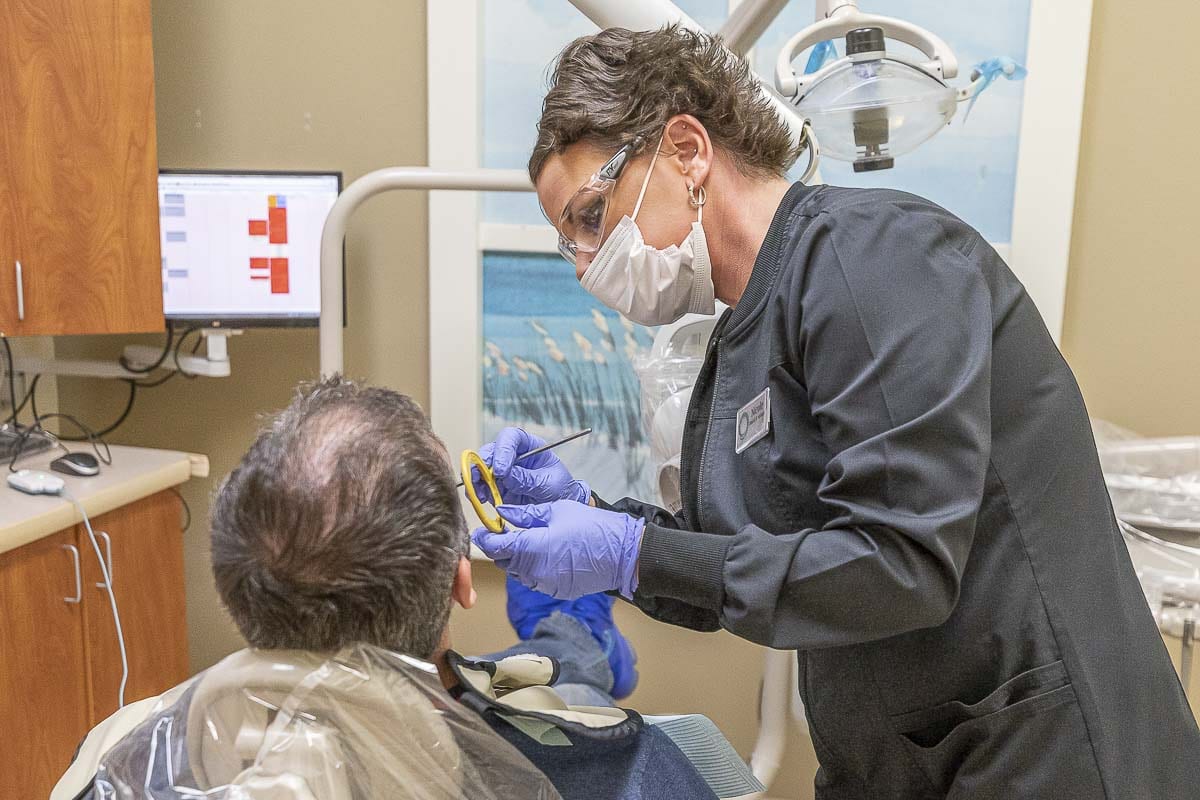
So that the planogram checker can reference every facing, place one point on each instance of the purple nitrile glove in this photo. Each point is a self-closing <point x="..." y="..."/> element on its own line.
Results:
<point x="540" y="479"/>
<point x="567" y="549"/>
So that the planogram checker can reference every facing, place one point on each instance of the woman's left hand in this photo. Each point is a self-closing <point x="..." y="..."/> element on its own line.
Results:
<point x="567" y="549"/>
<point x="540" y="479"/>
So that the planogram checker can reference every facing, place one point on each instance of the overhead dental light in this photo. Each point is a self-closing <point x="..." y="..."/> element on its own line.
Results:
<point x="871" y="105"/>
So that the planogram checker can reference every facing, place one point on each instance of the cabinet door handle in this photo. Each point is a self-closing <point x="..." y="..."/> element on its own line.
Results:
<point x="108" y="557"/>
<point x="20" y="293"/>
<point x="78" y="580"/>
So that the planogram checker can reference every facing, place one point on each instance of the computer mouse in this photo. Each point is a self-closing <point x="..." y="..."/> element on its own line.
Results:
<point x="80" y="464"/>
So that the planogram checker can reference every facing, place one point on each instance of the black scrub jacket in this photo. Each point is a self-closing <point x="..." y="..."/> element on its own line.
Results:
<point x="920" y="512"/>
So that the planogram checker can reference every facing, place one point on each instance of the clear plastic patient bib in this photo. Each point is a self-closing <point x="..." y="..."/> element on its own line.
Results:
<point x="282" y="725"/>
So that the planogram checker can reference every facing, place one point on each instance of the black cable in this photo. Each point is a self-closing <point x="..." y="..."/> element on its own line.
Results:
<point x="91" y="436"/>
<point x="179" y="344"/>
<point x="26" y="435"/>
<point x="186" y="508"/>
<point x="37" y="418"/>
<point x="179" y="370"/>
<point x="101" y="448"/>
<point x="12" y="379"/>
<point x="25" y="400"/>
<point x="166" y="351"/>
<point x="159" y="382"/>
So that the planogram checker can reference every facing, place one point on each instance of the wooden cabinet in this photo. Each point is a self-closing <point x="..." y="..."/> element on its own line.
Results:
<point x="142" y="541"/>
<point x="60" y="665"/>
<point x="43" y="688"/>
<point x="78" y="169"/>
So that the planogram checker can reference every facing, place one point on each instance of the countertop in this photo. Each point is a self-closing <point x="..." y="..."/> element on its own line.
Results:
<point x="136" y="472"/>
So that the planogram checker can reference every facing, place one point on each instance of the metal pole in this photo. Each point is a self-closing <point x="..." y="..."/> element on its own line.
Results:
<point x="778" y="683"/>
<point x="369" y="185"/>
<point x="747" y="22"/>
<point x="1186" y="653"/>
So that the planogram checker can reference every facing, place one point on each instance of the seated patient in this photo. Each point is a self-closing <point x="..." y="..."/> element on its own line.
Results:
<point x="339" y="548"/>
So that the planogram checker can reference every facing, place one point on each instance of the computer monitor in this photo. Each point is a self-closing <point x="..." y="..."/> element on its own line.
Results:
<point x="243" y="248"/>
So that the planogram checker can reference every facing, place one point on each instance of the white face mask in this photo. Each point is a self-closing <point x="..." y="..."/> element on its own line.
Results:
<point x="647" y="285"/>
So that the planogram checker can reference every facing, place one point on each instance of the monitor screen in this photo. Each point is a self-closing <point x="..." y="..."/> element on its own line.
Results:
<point x="243" y="248"/>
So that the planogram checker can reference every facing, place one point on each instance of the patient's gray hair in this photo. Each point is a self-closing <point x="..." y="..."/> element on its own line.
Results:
<point x="341" y="524"/>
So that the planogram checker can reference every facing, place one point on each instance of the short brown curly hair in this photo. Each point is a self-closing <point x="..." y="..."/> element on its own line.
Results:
<point x="620" y="86"/>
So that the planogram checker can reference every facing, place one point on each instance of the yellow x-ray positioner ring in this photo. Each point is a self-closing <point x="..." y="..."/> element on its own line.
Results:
<point x="470" y="458"/>
<point x="493" y="522"/>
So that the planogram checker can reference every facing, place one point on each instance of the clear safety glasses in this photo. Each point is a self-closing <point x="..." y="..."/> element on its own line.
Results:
<point x="581" y="224"/>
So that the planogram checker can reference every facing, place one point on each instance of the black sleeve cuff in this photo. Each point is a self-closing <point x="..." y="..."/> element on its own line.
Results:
<point x="636" y="508"/>
<point x="683" y="566"/>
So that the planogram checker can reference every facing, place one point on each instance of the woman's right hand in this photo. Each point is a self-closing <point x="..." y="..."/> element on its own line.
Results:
<point x="540" y="479"/>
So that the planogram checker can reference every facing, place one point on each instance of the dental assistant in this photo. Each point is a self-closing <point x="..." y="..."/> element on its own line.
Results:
<point x="887" y="465"/>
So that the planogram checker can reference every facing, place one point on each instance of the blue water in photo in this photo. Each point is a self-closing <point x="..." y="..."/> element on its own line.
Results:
<point x="556" y="361"/>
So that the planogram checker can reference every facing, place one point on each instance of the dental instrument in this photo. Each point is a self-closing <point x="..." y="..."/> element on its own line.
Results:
<point x="545" y="447"/>
<point x="471" y="459"/>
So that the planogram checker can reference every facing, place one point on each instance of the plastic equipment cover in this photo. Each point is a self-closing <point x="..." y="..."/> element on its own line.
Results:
<point x="666" y="375"/>
<point x="888" y="103"/>
<point x="285" y="725"/>
<point x="1153" y="482"/>
<point x="1170" y="577"/>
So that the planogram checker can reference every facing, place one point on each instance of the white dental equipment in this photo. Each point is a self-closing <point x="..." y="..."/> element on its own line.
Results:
<point x="872" y="105"/>
<point x="1154" y="484"/>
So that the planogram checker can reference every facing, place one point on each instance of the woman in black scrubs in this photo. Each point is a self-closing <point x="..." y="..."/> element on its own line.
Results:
<point x="887" y="465"/>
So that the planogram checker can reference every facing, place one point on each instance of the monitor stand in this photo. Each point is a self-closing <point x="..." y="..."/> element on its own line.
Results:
<point x="213" y="364"/>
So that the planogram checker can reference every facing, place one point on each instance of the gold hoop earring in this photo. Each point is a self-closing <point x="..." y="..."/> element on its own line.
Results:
<point x="696" y="195"/>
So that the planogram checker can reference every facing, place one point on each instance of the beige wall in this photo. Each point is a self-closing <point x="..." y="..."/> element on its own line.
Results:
<point x="39" y="347"/>
<point x="1132" y="331"/>
<point x="283" y="85"/>
<point x="342" y="85"/>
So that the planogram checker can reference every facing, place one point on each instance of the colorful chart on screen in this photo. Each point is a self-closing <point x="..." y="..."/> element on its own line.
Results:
<point x="243" y="248"/>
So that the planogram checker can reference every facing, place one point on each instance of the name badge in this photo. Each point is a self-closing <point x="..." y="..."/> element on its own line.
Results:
<point x="753" y="421"/>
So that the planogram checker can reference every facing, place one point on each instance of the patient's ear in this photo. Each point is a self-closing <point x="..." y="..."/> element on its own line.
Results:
<point x="462" y="591"/>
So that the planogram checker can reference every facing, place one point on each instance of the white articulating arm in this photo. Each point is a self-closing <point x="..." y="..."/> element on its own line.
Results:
<point x="838" y="19"/>
<point x="648" y="15"/>
<point x="747" y="22"/>
<point x="369" y="185"/>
